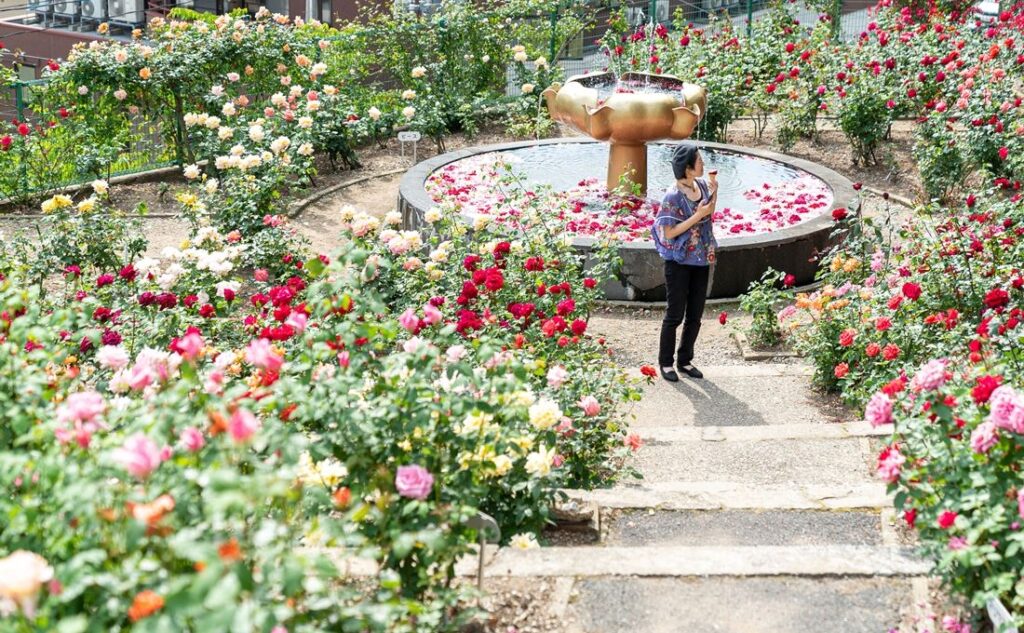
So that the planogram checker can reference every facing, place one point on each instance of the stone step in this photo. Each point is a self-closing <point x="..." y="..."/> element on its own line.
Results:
<point x="742" y="395"/>
<point x="705" y="560"/>
<point x="838" y="430"/>
<point x="713" y="495"/>
<point x="740" y="605"/>
<point x="792" y="462"/>
<point x="743" y="527"/>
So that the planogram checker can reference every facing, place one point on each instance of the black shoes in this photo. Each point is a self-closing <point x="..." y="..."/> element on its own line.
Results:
<point x="669" y="375"/>
<point x="690" y="371"/>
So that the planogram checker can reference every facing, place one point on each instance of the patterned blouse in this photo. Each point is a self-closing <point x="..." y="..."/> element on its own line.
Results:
<point x="695" y="247"/>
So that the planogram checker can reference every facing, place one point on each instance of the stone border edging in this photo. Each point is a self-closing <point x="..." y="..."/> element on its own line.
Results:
<point x="294" y="209"/>
<point x="749" y="353"/>
<point x="898" y="199"/>
<point x="297" y="207"/>
<point x="142" y="176"/>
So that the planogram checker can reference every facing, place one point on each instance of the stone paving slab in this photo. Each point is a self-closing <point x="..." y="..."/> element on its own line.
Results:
<point x="739" y="605"/>
<point x="793" y="462"/>
<point x="736" y="396"/>
<point x="702" y="560"/>
<point x="711" y="495"/>
<point x="774" y="432"/>
<point x="743" y="527"/>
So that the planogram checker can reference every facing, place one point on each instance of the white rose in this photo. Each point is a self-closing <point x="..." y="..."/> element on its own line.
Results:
<point x="213" y="122"/>
<point x="256" y="133"/>
<point x="408" y="112"/>
<point x="305" y="122"/>
<point x="409" y="95"/>
<point x="545" y="414"/>
<point x="228" y="109"/>
<point x="418" y="72"/>
<point x="192" y="172"/>
<point x="225" y="133"/>
<point x="83" y="90"/>
<point x="527" y="89"/>
<point x="520" y="57"/>
<point x="100" y="186"/>
<point x="373" y="113"/>
<point x="120" y="94"/>
<point x="306" y="149"/>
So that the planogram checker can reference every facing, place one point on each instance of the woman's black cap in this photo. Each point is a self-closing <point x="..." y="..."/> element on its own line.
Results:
<point x="683" y="156"/>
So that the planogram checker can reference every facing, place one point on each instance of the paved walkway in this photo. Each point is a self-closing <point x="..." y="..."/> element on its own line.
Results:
<point x="757" y="513"/>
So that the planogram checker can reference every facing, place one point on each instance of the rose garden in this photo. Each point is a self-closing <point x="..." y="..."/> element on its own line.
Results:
<point x="236" y="394"/>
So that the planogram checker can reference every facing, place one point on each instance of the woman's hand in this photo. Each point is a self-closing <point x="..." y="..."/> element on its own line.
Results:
<point x="705" y="210"/>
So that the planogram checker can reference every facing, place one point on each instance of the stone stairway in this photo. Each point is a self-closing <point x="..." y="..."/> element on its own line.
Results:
<point x="757" y="512"/>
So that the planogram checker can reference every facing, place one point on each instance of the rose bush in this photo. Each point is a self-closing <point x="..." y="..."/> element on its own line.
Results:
<point x="186" y="446"/>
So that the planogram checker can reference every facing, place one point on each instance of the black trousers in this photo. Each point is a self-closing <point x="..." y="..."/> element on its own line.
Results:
<point x="686" y="289"/>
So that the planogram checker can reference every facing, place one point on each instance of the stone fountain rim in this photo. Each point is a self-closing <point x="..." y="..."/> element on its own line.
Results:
<point x="413" y="192"/>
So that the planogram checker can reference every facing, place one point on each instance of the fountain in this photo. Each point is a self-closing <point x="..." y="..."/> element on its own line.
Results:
<point x="628" y="112"/>
<point x="773" y="210"/>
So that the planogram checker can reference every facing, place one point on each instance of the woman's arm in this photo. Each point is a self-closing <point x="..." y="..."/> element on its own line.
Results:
<point x="701" y="212"/>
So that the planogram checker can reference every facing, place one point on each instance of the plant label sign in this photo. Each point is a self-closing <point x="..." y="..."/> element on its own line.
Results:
<point x="1001" y="619"/>
<point x="409" y="136"/>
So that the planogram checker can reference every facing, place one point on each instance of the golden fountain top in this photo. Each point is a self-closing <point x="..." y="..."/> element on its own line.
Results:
<point x="628" y="111"/>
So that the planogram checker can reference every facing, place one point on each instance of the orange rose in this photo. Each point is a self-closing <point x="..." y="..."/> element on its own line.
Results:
<point x="146" y="603"/>
<point x="145" y="72"/>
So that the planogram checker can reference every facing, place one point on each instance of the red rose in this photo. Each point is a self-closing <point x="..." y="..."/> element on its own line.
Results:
<point x="882" y="324"/>
<point x="984" y="387"/>
<point x="846" y="337"/>
<point x="5" y="142"/>
<point x="648" y="371"/>
<point x="207" y="311"/>
<point x="841" y="370"/>
<point x="789" y="280"/>
<point x="873" y="349"/>
<point x="946" y="519"/>
<point x="910" y="516"/>
<point x="857" y="186"/>
<point x="891" y="351"/>
<point x="997" y="298"/>
<point x="24" y="129"/>
<point x="911" y="290"/>
<point x="723" y="317"/>
<point x="495" y="281"/>
<point x="589" y="282"/>
<point x="839" y="214"/>
<point x="579" y="327"/>
<point x="1004" y="152"/>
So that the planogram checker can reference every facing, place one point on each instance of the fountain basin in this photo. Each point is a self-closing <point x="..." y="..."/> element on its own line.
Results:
<point x="742" y="258"/>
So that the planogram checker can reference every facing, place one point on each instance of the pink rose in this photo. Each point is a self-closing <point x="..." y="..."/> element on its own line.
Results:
<point x="431" y="315"/>
<point x="139" y="456"/>
<point x="190" y="345"/>
<point x="112" y="357"/>
<point x="192" y="439"/>
<point x="984" y="437"/>
<point x="261" y="353"/>
<point x="261" y="274"/>
<point x="557" y="376"/>
<point x="414" y="482"/>
<point x="297" y="320"/>
<point x="243" y="425"/>
<point x="590" y="406"/>
<point x="81" y="407"/>
<point x="879" y="410"/>
<point x="409" y="320"/>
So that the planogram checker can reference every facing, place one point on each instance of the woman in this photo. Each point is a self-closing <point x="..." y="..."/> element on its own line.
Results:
<point x="684" y="239"/>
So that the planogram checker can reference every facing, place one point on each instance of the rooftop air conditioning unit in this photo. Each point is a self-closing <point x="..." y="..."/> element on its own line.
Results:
<point x="94" y="10"/>
<point x="66" y="8"/>
<point x="129" y="12"/>
<point x="40" y="7"/>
